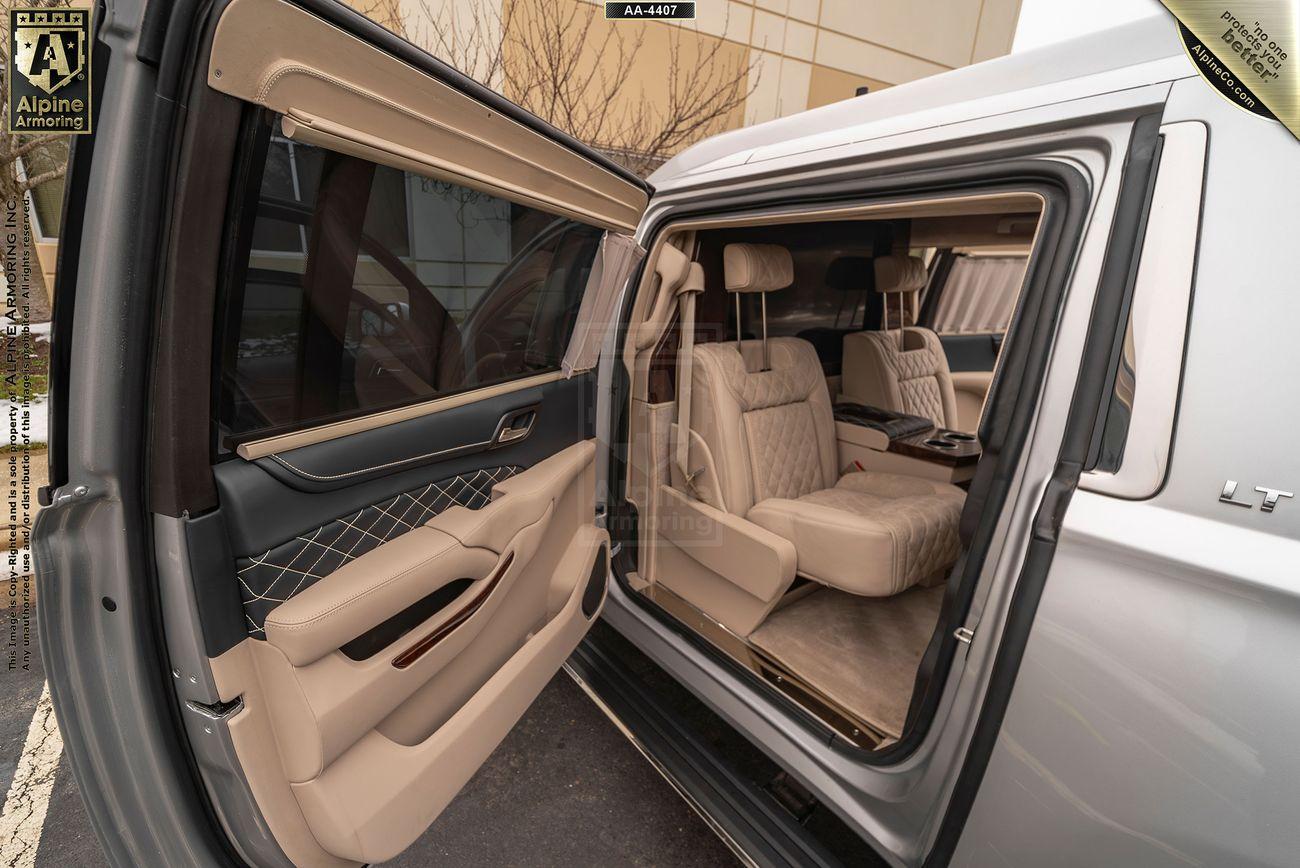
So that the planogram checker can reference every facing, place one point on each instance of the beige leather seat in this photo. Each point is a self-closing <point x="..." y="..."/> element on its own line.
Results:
<point x="764" y="448"/>
<point x="901" y="369"/>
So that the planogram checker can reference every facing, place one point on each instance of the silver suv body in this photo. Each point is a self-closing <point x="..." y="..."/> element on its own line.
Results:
<point x="1108" y="679"/>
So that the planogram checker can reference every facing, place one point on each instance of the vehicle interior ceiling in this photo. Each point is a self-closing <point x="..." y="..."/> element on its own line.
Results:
<point x="832" y="380"/>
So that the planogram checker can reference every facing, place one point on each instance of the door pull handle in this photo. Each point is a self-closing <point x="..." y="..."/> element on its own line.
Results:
<point x="510" y="434"/>
<point x="515" y="426"/>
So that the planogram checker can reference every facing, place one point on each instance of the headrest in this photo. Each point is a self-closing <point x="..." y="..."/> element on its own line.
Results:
<point x="671" y="266"/>
<point x="898" y="272"/>
<point x="849" y="273"/>
<point x="756" y="267"/>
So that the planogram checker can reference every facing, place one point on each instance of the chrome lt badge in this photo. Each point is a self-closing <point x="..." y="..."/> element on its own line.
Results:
<point x="1271" y="496"/>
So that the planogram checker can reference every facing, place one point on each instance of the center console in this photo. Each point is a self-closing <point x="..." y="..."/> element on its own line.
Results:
<point x="891" y="424"/>
<point x="872" y="438"/>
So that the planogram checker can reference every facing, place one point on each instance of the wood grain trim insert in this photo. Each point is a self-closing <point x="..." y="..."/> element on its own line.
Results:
<point x="419" y="649"/>
<point x="964" y="450"/>
<point x="255" y="449"/>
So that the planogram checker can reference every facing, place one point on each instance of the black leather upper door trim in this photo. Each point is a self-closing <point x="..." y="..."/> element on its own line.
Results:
<point x="416" y="442"/>
<point x="266" y="505"/>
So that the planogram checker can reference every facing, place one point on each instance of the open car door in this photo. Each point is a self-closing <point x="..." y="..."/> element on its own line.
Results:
<point x="322" y="520"/>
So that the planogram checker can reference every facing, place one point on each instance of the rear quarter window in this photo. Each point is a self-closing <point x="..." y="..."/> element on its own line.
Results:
<point x="980" y="295"/>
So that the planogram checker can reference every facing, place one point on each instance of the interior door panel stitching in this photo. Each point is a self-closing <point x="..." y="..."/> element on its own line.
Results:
<point x="364" y="470"/>
<point x="316" y="618"/>
<point x="348" y="524"/>
<point x="303" y="575"/>
<point x="258" y="575"/>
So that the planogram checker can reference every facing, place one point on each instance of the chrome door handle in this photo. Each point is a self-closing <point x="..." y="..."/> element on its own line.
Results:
<point x="515" y="426"/>
<point x="509" y="434"/>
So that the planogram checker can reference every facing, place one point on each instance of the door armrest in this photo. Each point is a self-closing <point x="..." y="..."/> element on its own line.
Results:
<point x="371" y="589"/>
<point x="516" y="502"/>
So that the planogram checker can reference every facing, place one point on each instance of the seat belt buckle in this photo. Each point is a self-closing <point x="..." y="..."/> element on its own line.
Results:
<point x="690" y="482"/>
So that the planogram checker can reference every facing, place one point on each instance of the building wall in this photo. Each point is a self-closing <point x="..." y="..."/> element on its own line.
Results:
<point x="800" y="54"/>
<point x="807" y="53"/>
<point x="645" y="76"/>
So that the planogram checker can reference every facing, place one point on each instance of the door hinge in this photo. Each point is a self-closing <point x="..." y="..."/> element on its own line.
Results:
<point x="964" y="634"/>
<point x="47" y="496"/>
<point x="216" y="710"/>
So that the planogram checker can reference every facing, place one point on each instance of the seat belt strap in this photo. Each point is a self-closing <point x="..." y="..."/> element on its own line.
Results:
<point x="692" y="286"/>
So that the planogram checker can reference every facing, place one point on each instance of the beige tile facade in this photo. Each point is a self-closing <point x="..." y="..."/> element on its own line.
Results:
<point x="800" y="54"/>
<point x="807" y="53"/>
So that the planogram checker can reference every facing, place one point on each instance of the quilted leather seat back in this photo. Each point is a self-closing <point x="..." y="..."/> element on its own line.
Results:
<point x="912" y="379"/>
<point x="769" y="433"/>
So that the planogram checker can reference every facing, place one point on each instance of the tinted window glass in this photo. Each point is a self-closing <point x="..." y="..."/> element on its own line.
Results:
<point x="367" y="287"/>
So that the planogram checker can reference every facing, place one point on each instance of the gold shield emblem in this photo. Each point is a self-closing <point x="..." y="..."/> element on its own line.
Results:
<point x="50" y="55"/>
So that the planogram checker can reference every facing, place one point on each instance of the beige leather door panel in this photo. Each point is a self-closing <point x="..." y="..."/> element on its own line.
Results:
<point x="379" y="796"/>
<point x="371" y="589"/>
<point x="370" y="750"/>
<point x="411" y="533"/>
<point x="971" y="388"/>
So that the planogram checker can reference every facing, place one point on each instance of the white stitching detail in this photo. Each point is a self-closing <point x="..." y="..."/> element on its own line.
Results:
<point x="275" y="457"/>
<point x="406" y="510"/>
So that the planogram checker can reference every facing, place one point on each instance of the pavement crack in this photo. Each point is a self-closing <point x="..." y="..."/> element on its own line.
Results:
<point x="28" y="799"/>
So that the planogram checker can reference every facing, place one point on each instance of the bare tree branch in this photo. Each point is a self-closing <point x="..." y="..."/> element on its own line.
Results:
<point x="37" y="180"/>
<point x="32" y="144"/>
<point x="562" y="62"/>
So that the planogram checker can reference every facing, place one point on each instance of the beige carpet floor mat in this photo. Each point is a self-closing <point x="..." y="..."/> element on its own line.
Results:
<point x="861" y="652"/>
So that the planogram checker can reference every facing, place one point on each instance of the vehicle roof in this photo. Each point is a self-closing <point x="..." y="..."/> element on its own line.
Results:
<point x="1131" y="45"/>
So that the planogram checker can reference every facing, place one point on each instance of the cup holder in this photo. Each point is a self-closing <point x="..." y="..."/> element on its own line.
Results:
<point x="959" y="436"/>
<point x="938" y="443"/>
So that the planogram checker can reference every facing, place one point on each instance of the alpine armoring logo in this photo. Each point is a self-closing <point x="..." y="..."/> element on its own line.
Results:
<point x="49" y="85"/>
